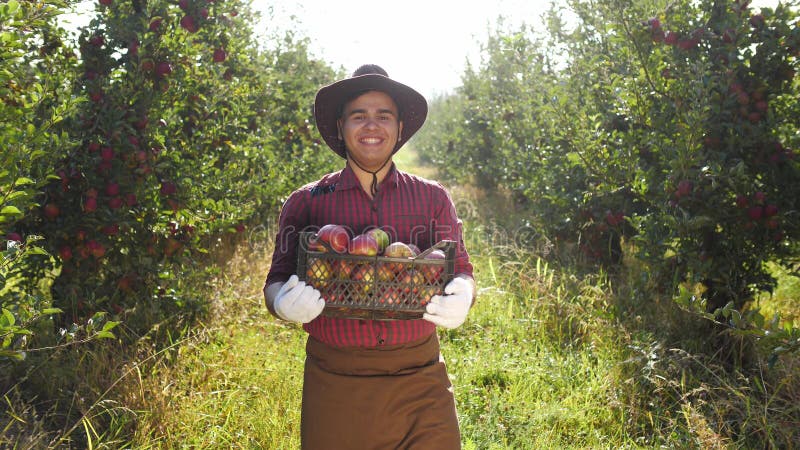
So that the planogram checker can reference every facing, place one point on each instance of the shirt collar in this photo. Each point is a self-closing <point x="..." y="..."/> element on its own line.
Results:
<point x="348" y="179"/>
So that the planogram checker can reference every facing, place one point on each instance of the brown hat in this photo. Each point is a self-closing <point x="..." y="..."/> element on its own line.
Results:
<point x="331" y="99"/>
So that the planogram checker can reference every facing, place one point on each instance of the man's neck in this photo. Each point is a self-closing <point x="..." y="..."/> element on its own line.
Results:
<point x="365" y="178"/>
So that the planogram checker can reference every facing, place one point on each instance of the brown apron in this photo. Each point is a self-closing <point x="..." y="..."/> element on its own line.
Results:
<point x="395" y="397"/>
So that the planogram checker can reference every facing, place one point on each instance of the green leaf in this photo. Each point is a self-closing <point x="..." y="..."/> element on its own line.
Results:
<point x="105" y="335"/>
<point x="21" y="181"/>
<point x="52" y="311"/>
<point x="110" y="325"/>
<point x="10" y="210"/>
<point x="8" y="319"/>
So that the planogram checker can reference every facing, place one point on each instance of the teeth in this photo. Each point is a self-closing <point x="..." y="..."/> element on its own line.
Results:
<point x="371" y="140"/>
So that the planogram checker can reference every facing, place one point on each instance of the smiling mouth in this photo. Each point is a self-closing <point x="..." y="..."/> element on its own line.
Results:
<point x="370" y="140"/>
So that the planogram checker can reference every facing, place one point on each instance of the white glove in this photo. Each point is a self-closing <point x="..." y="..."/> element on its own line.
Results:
<point x="450" y="310"/>
<point x="298" y="302"/>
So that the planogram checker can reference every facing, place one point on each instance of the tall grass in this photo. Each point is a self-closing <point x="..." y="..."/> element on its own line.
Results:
<point x="551" y="356"/>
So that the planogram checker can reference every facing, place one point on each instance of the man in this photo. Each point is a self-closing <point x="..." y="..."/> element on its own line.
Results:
<point x="372" y="384"/>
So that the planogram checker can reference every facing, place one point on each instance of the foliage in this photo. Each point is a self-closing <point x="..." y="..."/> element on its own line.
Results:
<point x="159" y="136"/>
<point x="672" y="125"/>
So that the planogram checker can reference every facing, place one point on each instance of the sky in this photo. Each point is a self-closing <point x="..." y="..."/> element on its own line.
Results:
<point x="422" y="43"/>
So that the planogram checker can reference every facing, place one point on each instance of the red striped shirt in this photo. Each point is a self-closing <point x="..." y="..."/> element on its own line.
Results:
<point x="410" y="208"/>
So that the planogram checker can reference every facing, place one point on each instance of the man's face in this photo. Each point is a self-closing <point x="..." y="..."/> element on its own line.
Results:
<point x="370" y="127"/>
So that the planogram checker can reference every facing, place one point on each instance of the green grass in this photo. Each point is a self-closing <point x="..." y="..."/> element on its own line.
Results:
<point x="550" y="357"/>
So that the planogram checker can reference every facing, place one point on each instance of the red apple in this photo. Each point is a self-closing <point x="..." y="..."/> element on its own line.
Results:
<point x="390" y="296"/>
<point x="110" y="229"/>
<point x="434" y="272"/>
<point x="334" y="235"/>
<point x="168" y="188"/>
<point x="51" y="211"/>
<point x="65" y="252"/>
<point x="115" y="202"/>
<point x="112" y="189"/>
<point x="343" y="269"/>
<point x="741" y="201"/>
<point x="685" y="188"/>
<point x="163" y="69"/>
<point x="187" y="22"/>
<point x="412" y="280"/>
<point x="96" y="249"/>
<point x="364" y="245"/>
<point x="770" y="210"/>
<point x="219" y="55"/>
<point x="155" y="24"/>
<point x="755" y="212"/>
<point x="107" y="153"/>
<point x="13" y="236"/>
<point x="385" y="272"/>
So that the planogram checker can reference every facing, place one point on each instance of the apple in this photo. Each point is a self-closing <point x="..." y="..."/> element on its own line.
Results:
<point x="412" y="280"/>
<point x="168" y="188"/>
<point x="414" y="249"/>
<point x="220" y="55"/>
<point x="381" y="237"/>
<point x="110" y="230"/>
<point x="51" y="211"/>
<point x="398" y="250"/>
<point x="65" y="252"/>
<point x="112" y="189"/>
<point x="434" y="272"/>
<point x="187" y="22"/>
<point x="741" y="201"/>
<point x="671" y="38"/>
<point x="105" y="2"/>
<point x="335" y="236"/>
<point x="385" y="272"/>
<point x="770" y="210"/>
<point x="106" y="153"/>
<point x="363" y="275"/>
<point x="319" y="273"/>
<point x="183" y="4"/>
<point x="130" y="199"/>
<point x="13" y="236"/>
<point x="364" y="245"/>
<point x="426" y="293"/>
<point x="390" y="296"/>
<point x="155" y="24"/>
<point x="343" y="269"/>
<point x="163" y="69"/>
<point x="755" y="212"/>
<point x="95" y="248"/>
<point x="115" y="202"/>
<point x="685" y="188"/>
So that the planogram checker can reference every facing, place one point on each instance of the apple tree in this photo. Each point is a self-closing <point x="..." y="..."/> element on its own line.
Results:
<point x="36" y="64"/>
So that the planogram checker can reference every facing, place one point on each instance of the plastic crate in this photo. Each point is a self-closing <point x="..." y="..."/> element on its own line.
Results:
<point x="375" y="287"/>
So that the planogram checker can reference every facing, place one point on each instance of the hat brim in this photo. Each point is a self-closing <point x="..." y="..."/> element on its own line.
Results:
<point x="329" y="101"/>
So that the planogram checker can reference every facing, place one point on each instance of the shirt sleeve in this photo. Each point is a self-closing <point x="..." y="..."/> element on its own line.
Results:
<point x="449" y="226"/>
<point x="293" y="219"/>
